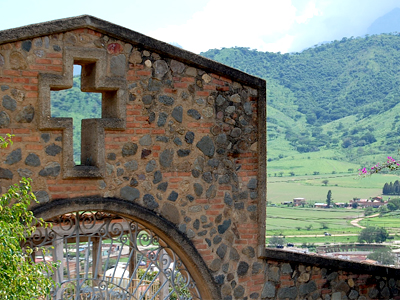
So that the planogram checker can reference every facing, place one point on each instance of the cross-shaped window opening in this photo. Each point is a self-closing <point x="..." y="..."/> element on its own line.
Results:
<point x="79" y="105"/>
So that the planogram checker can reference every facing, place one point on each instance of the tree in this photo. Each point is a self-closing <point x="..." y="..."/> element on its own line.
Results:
<point x="325" y="182"/>
<point x="277" y="240"/>
<point x="373" y="234"/>
<point x="19" y="277"/>
<point x="329" y="198"/>
<point x="384" y="256"/>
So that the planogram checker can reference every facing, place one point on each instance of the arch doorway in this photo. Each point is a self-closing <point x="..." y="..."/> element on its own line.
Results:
<point x="114" y="249"/>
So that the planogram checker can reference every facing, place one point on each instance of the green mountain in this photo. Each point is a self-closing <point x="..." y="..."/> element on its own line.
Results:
<point x="339" y="98"/>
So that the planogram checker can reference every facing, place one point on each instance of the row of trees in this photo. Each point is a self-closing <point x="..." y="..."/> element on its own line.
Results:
<point x="391" y="188"/>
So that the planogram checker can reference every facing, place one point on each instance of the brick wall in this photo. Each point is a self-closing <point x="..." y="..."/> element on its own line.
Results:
<point x="184" y="142"/>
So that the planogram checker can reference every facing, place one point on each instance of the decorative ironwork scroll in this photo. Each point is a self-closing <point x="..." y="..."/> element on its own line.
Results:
<point x="106" y="256"/>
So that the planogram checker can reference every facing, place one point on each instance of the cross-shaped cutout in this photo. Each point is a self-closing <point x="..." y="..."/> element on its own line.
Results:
<point x="94" y="80"/>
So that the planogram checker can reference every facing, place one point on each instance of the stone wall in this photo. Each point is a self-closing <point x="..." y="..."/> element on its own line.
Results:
<point x="300" y="276"/>
<point x="179" y="135"/>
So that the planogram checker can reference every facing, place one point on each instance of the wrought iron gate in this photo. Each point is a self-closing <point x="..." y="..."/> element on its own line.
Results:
<point x="105" y="256"/>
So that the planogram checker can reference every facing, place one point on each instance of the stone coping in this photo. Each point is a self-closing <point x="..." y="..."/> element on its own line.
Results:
<point x="331" y="263"/>
<point x="122" y="33"/>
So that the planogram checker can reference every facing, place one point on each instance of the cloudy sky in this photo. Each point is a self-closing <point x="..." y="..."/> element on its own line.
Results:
<point x="199" y="25"/>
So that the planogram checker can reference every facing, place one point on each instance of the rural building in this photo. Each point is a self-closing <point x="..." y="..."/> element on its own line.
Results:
<point x="320" y="205"/>
<point x="173" y="172"/>
<point x="299" y="201"/>
<point x="368" y="203"/>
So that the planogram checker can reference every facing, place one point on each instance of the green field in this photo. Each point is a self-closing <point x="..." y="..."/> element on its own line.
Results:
<point x="344" y="187"/>
<point x="294" y="221"/>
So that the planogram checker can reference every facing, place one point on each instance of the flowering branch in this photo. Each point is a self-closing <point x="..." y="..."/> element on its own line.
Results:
<point x="391" y="164"/>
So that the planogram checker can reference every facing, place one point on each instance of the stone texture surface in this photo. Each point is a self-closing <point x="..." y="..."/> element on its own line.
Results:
<point x="187" y="150"/>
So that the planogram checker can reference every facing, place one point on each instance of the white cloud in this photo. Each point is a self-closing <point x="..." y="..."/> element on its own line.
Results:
<point x="273" y="25"/>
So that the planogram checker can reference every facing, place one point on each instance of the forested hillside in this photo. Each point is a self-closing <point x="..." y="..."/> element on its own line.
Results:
<point x="340" y="96"/>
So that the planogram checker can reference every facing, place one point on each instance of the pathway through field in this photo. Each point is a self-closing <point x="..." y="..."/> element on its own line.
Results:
<point x="355" y="222"/>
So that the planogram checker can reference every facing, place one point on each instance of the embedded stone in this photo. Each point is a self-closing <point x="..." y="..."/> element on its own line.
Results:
<point x="230" y="109"/>
<point x="208" y="112"/>
<point x="131" y="165"/>
<point x="254" y="295"/>
<point x="191" y="71"/>
<point x="215" y="265"/>
<point x="9" y="103"/>
<point x="239" y="205"/>
<point x="42" y="196"/>
<point x="235" y="98"/>
<point x="242" y="268"/>
<point x="189" y="137"/>
<point x="18" y="61"/>
<point x="249" y="252"/>
<point x="236" y="132"/>
<point x="176" y="66"/>
<point x="163" y="139"/>
<point x="183" y="152"/>
<point x="221" y="251"/>
<point x="304" y="277"/>
<point x="157" y="177"/>
<point x="211" y="192"/>
<point x="118" y="65"/>
<point x="268" y="290"/>
<point x="224" y="226"/>
<point x="248" y="110"/>
<point x="178" y="141"/>
<point x="220" y="100"/>
<point x="25" y="173"/>
<point x="342" y="286"/>
<point x="111" y="156"/>
<point x="162" y="186"/>
<point x="14" y="157"/>
<point x="252" y="184"/>
<point x="152" y="117"/>
<point x="6" y="174"/>
<point x="219" y="279"/>
<point x="162" y="119"/>
<point x="195" y="208"/>
<point x="198" y="189"/>
<point x="194" y="114"/>
<point x="53" y="150"/>
<point x="129" y="149"/>
<point x="129" y="193"/>
<point x="102" y="184"/>
<point x="217" y="239"/>
<point x="354" y="295"/>
<point x="145" y="140"/>
<point x="25" y="115"/>
<point x="206" y="145"/>
<point x="51" y="170"/>
<point x="32" y="160"/>
<point x="120" y="171"/>
<point x="190" y="198"/>
<point x="2" y="62"/>
<point x="58" y="139"/>
<point x="145" y="153"/>
<point x="228" y="199"/>
<point x="224" y="179"/>
<point x="287" y="292"/>
<point x="135" y="57"/>
<point x="3" y="87"/>
<point x="238" y="292"/>
<point x="207" y="78"/>
<point x="160" y="68"/>
<point x="151" y="165"/>
<point x="147" y="99"/>
<point x="173" y="196"/>
<point x="307" y="288"/>
<point x="257" y="267"/>
<point x="150" y="202"/>
<point x="133" y="182"/>
<point x="154" y="85"/>
<point x="166" y="100"/>
<point x="207" y="177"/>
<point x="177" y="113"/>
<point x="166" y="158"/>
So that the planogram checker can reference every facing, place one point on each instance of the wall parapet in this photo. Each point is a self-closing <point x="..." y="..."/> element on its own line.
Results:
<point x="292" y="275"/>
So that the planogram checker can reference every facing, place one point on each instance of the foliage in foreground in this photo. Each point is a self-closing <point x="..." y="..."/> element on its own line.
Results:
<point x="19" y="277"/>
<point x="373" y="234"/>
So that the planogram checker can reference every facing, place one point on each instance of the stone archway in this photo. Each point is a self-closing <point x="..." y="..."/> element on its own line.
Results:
<point x="114" y="249"/>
